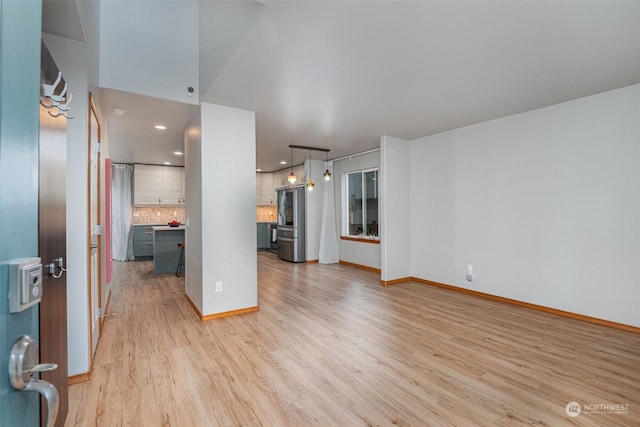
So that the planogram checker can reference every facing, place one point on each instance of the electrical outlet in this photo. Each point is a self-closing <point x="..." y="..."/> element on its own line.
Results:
<point x="218" y="286"/>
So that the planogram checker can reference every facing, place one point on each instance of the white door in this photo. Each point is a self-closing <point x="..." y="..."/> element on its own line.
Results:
<point x="94" y="228"/>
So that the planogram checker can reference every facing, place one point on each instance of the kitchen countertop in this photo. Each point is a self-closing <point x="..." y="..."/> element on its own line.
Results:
<point x="167" y="228"/>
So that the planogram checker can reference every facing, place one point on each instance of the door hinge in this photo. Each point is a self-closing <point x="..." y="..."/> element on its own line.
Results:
<point x="98" y="147"/>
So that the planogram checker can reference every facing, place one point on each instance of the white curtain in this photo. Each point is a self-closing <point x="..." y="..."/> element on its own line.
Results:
<point x="328" y="251"/>
<point x="282" y="214"/>
<point x="122" y="212"/>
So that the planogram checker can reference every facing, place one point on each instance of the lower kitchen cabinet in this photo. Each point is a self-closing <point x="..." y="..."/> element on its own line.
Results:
<point x="264" y="242"/>
<point x="166" y="252"/>
<point x="143" y="241"/>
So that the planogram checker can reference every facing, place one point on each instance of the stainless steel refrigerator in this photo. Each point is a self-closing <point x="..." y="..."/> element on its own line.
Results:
<point x="291" y="225"/>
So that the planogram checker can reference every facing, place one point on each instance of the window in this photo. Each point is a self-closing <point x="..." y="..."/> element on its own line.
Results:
<point x="361" y="213"/>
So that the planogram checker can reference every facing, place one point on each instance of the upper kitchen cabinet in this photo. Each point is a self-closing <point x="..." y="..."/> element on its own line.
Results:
<point x="265" y="190"/>
<point x="158" y="185"/>
<point x="172" y="186"/>
<point x="280" y="178"/>
<point x="147" y="185"/>
<point x="268" y="190"/>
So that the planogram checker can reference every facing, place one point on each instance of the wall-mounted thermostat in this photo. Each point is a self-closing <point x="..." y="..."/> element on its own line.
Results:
<point x="25" y="283"/>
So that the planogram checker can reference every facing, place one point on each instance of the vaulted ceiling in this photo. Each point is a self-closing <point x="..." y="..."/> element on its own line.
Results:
<point x="339" y="75"/>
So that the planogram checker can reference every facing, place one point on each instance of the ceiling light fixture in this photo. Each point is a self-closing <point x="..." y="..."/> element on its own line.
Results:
<point x="167" y="163"/>
<point x="160" y="127"/>
<point x="310" y="183"/>
<point x="292" y="176"/>
<point x="327" y="174"/>
<point x="118" y="112"/>
<point x="178" y="153"/>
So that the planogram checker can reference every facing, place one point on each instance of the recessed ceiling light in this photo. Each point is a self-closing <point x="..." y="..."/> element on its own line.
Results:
<point x="118" y="112"/>
<point x="283" y="162"/>
<point x="258" y="170"/>
<point x="167" y="163"/>
<point x="160" y="127"/>
<point x="178" y="153"/>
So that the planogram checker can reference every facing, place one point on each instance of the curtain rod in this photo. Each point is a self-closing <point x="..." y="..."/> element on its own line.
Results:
<point x="355" y="155"/>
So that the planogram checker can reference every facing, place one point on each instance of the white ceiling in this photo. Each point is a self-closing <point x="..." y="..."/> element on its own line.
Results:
<point x="339" y="75"/>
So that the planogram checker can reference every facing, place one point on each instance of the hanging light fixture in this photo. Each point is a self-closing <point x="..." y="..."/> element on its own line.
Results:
<point x="310" y="183"/>
<point x="292" y="176"/>
<point x="327" y="174"/>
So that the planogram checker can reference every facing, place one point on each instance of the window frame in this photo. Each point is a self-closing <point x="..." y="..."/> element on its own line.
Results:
<point x="345" y="205"/>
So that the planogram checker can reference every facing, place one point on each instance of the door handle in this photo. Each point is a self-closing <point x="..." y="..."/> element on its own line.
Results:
<point x="23" y="365"/>
<point x="50" y="394"/>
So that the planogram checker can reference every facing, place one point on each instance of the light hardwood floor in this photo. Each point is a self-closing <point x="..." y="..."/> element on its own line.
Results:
<point x="330" y="346"/>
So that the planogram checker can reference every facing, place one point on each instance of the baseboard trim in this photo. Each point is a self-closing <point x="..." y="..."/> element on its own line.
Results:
<point x="219" y="315"/>
<point x="536" y="307"/>
<point x="363" y="267"/>
<point x="229" y="313"/>
<point x="193" y="306"/>
<point x="312" y="261"/>
<point x="395" y="281"/>
<point x="80" y="378"/>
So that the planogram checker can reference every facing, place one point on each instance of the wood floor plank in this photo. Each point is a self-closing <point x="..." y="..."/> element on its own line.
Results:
<point x="331" y="347"/>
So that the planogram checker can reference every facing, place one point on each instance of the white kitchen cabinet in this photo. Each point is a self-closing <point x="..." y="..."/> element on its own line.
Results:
<point x="280" y="178"/>
<point x="258" y="189"/>
<point x="183" y="186"/>
<point x="265" y="192"/>
<point x="171" y="185"/>
<point x="158" y="185"/>
<point x="147" y="185"/>
<point x="268" y="191"/>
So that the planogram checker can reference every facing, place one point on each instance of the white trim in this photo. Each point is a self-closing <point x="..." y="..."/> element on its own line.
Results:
<point x="345" y="199"/>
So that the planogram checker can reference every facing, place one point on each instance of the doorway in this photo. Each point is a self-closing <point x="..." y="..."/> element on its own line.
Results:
<point x="95" y="230"/>
<point x="52" y="233"/>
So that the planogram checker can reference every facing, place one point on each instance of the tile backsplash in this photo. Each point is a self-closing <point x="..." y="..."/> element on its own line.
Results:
<point x="266" y="214"/>
<point x="165" y="214"/>
<point x="157" y="215"/>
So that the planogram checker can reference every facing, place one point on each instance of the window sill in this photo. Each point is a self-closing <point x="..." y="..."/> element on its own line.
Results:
<point x="373" y="240"/>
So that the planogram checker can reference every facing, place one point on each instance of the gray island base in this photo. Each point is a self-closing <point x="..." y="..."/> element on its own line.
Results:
<point x="166" y="252"/>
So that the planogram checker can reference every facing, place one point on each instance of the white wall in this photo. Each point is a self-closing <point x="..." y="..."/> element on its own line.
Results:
<point x="228" y="180"/>
<point x="71" y="58"/>
<point x="366" y="254"/>
<point x="313" y="208"/>
<point x="193" y="211"/>
<point x="169" y="63"/>
<point x="544" y="204"/>
<point x="394" y="193"/>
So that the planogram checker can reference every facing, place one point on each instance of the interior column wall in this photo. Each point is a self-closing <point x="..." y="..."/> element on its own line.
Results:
<point x="395" y="203"/>
<point x="193" y="213"/>
<point x="228" y="180"/>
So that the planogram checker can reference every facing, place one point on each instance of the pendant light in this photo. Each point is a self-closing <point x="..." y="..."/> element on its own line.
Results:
<point x="327" y="174"/>
<point x="292" y="176"/>
<point x="310" y="183"/>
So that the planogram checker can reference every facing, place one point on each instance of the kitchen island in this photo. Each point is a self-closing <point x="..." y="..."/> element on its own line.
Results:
<point x="166" y="252"/>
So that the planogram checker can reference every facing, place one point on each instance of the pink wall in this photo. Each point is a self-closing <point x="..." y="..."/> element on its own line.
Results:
<point x="107" y="221"/>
